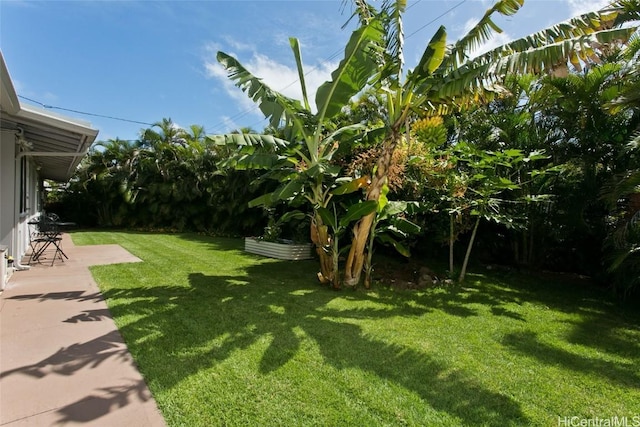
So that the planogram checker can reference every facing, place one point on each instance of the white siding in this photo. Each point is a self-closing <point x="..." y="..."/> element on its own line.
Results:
<point x="7" y="179"/>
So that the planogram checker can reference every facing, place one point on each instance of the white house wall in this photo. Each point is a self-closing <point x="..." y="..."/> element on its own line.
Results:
<point x="7" y="188"/>
<point x="34" y="205"/>
<point x="14" y="227"/>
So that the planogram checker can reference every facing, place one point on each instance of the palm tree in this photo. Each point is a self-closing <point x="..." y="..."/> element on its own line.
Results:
<point x="162" y="132"/>
<point x="107" y="178"/>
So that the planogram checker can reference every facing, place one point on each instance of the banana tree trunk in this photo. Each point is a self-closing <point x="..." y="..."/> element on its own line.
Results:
<point x="322" y="241"/>
<point x="362" y="228"/>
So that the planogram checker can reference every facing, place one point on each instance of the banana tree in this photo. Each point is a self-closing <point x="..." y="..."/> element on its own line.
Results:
<point x="447" y="78"/>
<point x="301" y="160"/>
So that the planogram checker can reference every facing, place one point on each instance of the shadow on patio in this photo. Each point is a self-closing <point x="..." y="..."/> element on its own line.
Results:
<point x="62" y="358"/>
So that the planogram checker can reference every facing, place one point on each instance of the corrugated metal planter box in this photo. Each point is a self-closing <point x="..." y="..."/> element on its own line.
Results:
<point x="287" y="251"/>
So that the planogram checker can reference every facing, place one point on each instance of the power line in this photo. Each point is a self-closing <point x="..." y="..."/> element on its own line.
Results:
<point x="53" y="107"/>
<point x="451" y="9"/>
<point x="413" y="4"/>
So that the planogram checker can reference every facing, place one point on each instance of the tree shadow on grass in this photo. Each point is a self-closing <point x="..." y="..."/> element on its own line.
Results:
<point x="528" y="344"/>
<point x="269" y="299"/>
<point x="597" y="321"/>
<point x="236" y="312"/>
<point x="609" y="334"/>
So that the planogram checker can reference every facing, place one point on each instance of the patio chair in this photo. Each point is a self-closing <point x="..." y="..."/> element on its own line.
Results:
<point x="45" y="234"/>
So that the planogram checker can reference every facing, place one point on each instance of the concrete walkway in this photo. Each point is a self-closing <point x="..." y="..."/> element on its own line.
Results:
<point x="62" y="359"/>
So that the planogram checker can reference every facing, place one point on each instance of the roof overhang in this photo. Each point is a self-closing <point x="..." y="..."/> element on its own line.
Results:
<point x="8" y="98"/>
<point x="56" y="143"/>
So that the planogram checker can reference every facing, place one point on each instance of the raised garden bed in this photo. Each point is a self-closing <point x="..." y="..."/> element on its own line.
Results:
<point x="280" y="250"/>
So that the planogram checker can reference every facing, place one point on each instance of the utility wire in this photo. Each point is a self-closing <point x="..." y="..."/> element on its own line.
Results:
<point x="53" y="107"/>
<point x="451" y="9"/>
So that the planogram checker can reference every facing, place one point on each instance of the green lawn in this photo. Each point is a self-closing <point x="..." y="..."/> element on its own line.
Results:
<point x="227" y="338"/>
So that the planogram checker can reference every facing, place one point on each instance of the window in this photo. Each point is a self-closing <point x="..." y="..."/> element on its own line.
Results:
<point x="23" y="184"/>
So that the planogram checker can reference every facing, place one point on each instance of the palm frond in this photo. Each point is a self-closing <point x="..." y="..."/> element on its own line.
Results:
<point x="481" y="79"/>
<point x="577" y="39"/>
<point x="628" y="10"/>
<point x="629" y="98"/>
<point x="632" y="50"/>
<point x="620" y="186"/>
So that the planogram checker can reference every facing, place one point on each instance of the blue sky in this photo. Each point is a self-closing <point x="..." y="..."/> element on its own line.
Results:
<point x="147" y="60"/>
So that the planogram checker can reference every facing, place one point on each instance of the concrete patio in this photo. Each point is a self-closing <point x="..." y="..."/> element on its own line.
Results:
<point x="62" y="359"/>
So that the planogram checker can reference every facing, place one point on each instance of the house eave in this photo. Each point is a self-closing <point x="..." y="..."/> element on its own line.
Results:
<point x="42" y="131"/>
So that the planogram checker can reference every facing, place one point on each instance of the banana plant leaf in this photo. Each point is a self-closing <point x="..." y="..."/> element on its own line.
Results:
<point x="357" y="211"/>
<point x="273" y="105"/>
<point x="328" y="217"/>
<point x="352" y="186"/>
<point x="402" y="249"/>
<point x="248" y="139"/>
<point x="288" y="190"/>
<point x="434" y="53"/>
<point x="353" y="72"/>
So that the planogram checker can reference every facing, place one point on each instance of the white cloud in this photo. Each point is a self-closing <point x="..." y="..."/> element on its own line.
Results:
<point x="44" y="97"/>
<point x="227" y="124"/>
<point x="280" y="77"/>
<point x="578" y="7"/>
<point x="238" y="45"/>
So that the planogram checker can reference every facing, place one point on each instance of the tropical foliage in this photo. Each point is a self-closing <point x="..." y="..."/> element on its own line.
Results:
<point x="533" y="136"/>
<point x="169" y="178"/>
<point x="444" y="80"/>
